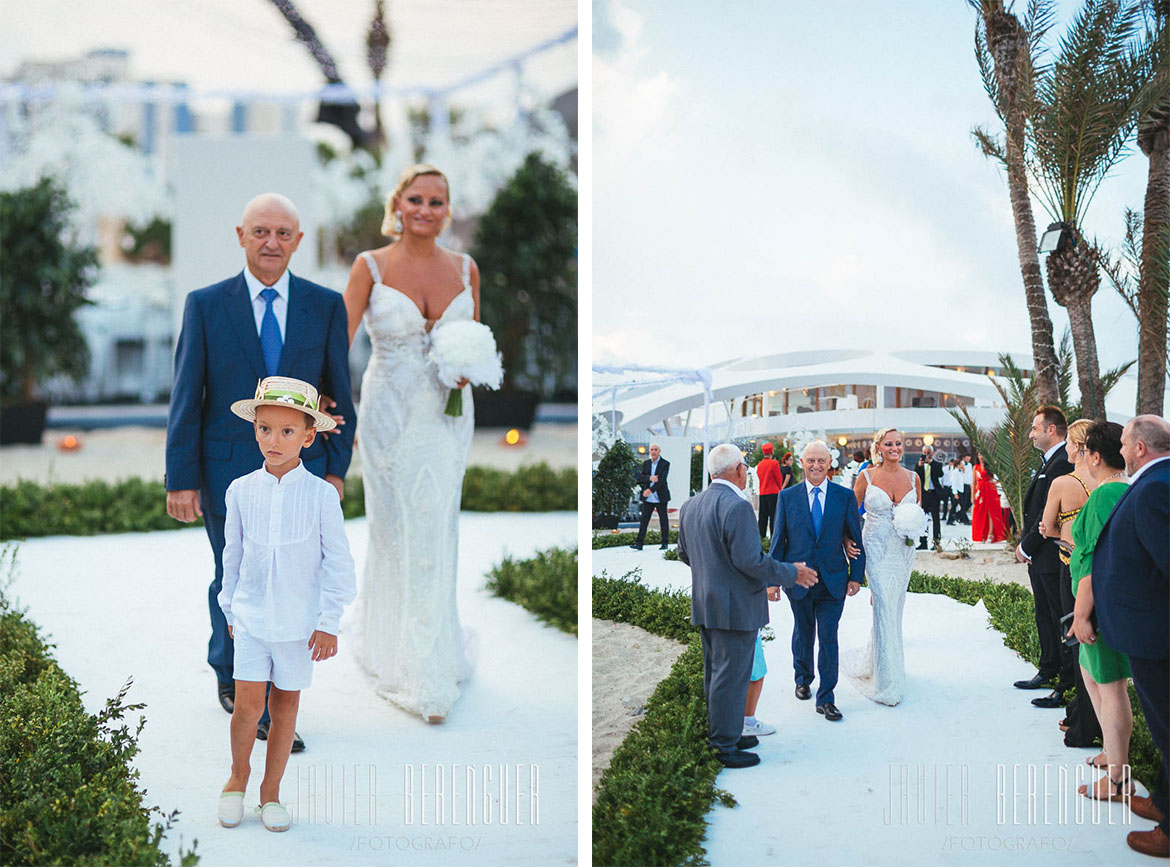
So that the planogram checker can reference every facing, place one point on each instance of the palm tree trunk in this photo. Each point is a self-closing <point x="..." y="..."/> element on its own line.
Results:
<point x="1073" y="278"/>
<point x="1009" y="50"/>
<point x="1153" y="289"/>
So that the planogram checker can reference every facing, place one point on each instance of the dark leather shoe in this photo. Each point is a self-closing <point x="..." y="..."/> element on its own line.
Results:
<point x="737" y="759"/>
<point x="663" y="547"/>
<point x="830" y="711"/>
<point x="747" y="742"/>
<point x="298" y="744"/>
<point x="803" y="692"/>
<point x="1053" y="699"/>
<point x="227" y="695"/>
<point x="636" y="547"/>
<point x="1145" y="808"/>
<point x="1148" y="842"/>
<point x="1037" y="682"/>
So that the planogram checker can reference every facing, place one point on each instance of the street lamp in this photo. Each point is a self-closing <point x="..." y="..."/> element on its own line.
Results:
<point x="1055" y="238"/>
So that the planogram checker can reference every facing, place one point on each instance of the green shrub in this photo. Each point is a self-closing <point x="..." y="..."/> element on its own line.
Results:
<point x="545" y="584"/>
<point x="134" y="505"/>
<point x="70" y="793"/>
<point x="618" y="540"/>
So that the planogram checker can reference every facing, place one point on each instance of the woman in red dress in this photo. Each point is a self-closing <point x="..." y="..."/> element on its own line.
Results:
<point x="986" y="511"/>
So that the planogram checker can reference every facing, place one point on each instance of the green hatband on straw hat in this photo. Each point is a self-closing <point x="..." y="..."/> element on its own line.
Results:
<point x="285" y="391"/>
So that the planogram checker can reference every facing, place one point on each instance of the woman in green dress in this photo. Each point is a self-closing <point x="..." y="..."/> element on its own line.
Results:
<point x="1105" y="671"/>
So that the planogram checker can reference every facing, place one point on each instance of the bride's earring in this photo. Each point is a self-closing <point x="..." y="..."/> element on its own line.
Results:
<point x="398" y="222"/>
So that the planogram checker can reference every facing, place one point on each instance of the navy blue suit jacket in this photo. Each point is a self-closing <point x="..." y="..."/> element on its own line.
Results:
<point x="793" y="540"/>
<point x="1131" y="575"/>
<point x="218" y="361"/>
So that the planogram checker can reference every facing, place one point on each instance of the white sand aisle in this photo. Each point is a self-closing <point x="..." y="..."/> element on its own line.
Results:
<point x="136" y="604"/>
<point x="833" y="793"/>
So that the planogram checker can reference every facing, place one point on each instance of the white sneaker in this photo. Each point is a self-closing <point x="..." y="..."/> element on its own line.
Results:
<point x="231" y="808"/>
<point x="274" y="816"/>
<point x="759" y="729"/>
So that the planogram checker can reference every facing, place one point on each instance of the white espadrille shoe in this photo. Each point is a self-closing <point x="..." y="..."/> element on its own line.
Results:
<point x="231" y="808"/>
<point x="274" y="816"/>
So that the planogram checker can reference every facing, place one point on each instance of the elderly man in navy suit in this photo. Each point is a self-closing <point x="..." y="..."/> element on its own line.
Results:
<point x="262" y="322"/>
<point x="814" y="521"/>
<point x="1131" y="594"/>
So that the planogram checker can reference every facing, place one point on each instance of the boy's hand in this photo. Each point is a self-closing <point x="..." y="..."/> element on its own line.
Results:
<point x="323" y="645"/>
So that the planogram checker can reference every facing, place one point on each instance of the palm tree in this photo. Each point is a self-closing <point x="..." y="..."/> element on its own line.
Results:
<point x="1153" y="137"/>
<point x="377" y="47"/>
<point x="1006" y="50"/>
<point x="1006" y="447"/>
<point x="1086" y="105"/>
<point x="341" y="114"/>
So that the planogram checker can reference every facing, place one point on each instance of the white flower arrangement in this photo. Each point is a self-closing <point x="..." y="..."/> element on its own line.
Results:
<point x="909" y="521"/>
<point x="465" y="349"/>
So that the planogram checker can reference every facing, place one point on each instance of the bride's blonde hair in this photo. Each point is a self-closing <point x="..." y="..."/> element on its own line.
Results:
<point x="874" y="455"/>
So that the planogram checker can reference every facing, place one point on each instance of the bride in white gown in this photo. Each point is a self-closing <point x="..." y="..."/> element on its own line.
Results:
<point x="886" y="486"/>
<point x="413" y="455"/>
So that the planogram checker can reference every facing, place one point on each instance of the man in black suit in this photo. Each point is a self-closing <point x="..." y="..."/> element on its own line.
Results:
<point x="931" y="476"/>
<point x="655" y="495"/>
<point x="1131" y="594"/>
<point x="1042" y="556"/>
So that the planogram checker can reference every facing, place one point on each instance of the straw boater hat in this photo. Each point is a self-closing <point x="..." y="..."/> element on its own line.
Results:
<point x="285" y="391"/>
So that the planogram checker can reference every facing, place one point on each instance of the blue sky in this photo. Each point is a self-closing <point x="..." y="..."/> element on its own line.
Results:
<point x="794" y="175"/>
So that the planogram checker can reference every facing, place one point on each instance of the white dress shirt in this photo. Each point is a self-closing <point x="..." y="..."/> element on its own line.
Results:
<point x="653" y="498"/>
<point x="279" y="303"/>
<point x="287" y="570"/>
<point x="742" y="494"/>
<point x="1142" y="468"/>
<point x="808" y="487"/>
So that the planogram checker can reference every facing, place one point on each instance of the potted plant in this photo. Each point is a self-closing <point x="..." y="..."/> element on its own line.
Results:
<point x="526" y="249"/>
<point x="44" y="274"/>
<point x="613" y="485"/>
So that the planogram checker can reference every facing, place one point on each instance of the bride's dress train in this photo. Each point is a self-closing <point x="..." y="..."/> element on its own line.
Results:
<point x="879" y="670"/>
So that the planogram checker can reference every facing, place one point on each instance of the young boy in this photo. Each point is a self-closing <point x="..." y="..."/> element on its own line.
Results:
<point x="287" y="575"/>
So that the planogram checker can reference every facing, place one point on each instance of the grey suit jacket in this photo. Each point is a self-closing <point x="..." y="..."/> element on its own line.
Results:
<point x="719" y="538"/>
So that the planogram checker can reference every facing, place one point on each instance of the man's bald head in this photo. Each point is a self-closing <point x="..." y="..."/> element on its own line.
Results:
<point x="269" y="232"/>
<point x="815" y="460"/>
<point x="1144" y="439"/>
<point x="266" y="201"/>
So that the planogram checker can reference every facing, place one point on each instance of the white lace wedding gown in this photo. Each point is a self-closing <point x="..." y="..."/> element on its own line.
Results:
<point x="879" y="671"/>
<point x="413" y="459"/>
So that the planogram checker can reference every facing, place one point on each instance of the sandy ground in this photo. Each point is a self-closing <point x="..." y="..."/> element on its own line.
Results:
<point x="964" y="771"/>
<point x="364" y="792"/>
<point x="125" y="452"/>
<point x="628" y="663"/>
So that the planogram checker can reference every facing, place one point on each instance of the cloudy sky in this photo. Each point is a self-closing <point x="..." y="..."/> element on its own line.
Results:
<point x="796" y="175"/>
<point x="225" y="44"/>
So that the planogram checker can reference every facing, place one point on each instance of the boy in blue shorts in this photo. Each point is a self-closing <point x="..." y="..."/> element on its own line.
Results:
<point x="287" y="575"/>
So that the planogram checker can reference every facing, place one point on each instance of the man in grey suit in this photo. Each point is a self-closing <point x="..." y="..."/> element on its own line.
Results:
<point x="730" y="580"/>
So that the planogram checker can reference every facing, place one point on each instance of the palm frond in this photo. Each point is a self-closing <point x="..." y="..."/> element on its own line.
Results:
<point x="990" y="145"/>
<point x="987" y="67"/>
<point x="1064" y="374"/>
<point x="1087" y="105"/>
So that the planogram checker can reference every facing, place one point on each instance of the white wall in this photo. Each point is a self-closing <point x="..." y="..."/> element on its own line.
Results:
<point x="214" y="179"/>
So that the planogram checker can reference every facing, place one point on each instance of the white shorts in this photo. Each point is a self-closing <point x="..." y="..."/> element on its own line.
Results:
<point x="288" y="664"/>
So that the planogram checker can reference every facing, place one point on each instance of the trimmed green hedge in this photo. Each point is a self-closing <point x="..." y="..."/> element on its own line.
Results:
<point x="28" y="509"/>
<point x="653" y="798"/>
<point x="545" y="584"/>
<point x="69" y="792"/>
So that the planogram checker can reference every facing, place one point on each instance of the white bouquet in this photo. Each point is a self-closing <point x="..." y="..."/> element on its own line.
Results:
<point x="909" y="521"/>
<point x="465" y="349"/>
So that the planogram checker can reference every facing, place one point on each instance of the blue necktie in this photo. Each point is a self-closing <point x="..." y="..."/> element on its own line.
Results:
<point x="270" y="342"/>
<point x="816" y="511"/>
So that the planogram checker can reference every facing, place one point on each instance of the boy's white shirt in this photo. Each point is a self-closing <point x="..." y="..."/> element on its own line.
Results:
<point x="287" y="570"/>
